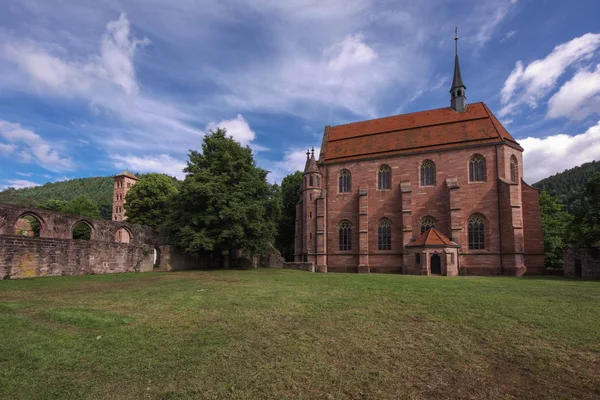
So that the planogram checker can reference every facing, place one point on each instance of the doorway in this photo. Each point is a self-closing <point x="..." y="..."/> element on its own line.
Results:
<point x="578" y="272"/>
<point x="436" y="264"/>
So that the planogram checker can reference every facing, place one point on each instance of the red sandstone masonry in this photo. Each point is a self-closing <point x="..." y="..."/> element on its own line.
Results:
<point x="27" y="257"/>
<point x="451" y="202"/>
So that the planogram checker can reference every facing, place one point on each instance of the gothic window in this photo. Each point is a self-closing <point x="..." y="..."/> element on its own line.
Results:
<point x="427" y="223"/>
<point x="427" y="173"/>
<point x="310" y="181"/>
<point x="384" y="235"/>
<point x="477" y="168"/>
<point x="514" y="169"/>
<point x="384" y="175"/>
<point x="345" y="181"/>
<point x="476" y="233"/>
<point x="310" y="195"/>
<point x="318" y="183"/>
<point x="345" y="233"/>
<point x="418" y="258"/>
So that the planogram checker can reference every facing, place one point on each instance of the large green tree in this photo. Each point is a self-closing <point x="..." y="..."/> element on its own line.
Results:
<point x="586" y="225"/>
<point x="555" y="223"/>
<point x="225" y="201"/>
<point x="53" y="205"/>
<point x="147" y="202"/>
<point x="82" y="205"/>
<point x="290" y="195"/>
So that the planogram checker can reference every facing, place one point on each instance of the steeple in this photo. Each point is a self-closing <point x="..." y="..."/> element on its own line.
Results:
<point x="311" y="162"/>
<point x="457" y="91"/>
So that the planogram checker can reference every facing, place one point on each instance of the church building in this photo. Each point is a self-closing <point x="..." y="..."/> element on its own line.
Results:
<point x="432" y="192"/>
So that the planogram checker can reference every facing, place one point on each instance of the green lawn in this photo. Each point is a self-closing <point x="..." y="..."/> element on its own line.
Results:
<point x="289" y="334"/>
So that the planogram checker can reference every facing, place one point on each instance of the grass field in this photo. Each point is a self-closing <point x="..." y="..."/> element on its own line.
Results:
<point x="269" y="334"/>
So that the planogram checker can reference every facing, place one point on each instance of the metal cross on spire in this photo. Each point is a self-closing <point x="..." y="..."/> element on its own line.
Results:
<point x="456" y="40"/>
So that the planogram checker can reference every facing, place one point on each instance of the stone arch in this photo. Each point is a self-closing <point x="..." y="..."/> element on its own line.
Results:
<point x="78" y="233"/>
<point x="123" y="235"/>
<point x="41" y="228"/>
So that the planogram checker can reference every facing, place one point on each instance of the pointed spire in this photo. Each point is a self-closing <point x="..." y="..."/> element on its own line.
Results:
<point x="458" y="89"/>
<point x="312" y="153"/>
<point x="457" y="80"/>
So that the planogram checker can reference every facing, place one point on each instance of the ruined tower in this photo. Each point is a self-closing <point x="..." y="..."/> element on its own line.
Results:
<point x="123" y="182"/>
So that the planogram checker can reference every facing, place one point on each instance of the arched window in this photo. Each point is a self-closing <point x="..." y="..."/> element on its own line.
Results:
<point x="384" y="177"/>
<point x="345" y="181"/>
<point x="427" y="223"/>
<point x="384" y="234"/>
<point x="345" y="231"/>
<point x="514" y="169"/>
<point x="476" y="233"/>
<point x="28" y="225"/>
<point x="81" y="231"/>
<point x="310" y="181"/>
<point x="477" y="168"/>
<point x="318" y="183"/>
<point x="427" y="173"/>
<point x="123" y="235"/>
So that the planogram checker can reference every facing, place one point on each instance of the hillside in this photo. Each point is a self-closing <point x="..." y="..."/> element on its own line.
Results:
<point x="568" y="185"/>
<point x="99" y="189"/>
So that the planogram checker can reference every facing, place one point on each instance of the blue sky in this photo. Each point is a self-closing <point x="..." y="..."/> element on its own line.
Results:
<point x="90" y="88"/>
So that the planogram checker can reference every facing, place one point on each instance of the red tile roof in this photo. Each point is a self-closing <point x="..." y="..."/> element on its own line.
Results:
<point x="127" y="174"/>
<point x="426" y="130"/>
<point x="432" y="237"/>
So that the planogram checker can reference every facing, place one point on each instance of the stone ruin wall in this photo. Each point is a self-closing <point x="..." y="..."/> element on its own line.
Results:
<point x="54" y="253"/>
<point x="588" y="259"/>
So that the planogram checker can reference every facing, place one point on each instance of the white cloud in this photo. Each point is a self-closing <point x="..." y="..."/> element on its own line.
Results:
<point x="6" y="149"/>
<point x="293" y="160"/>
<point x="350" y="52"/>
<point x="508" y="35"/>
<point x="162" y="163"/>
<point x="528" y="85"/>
<point x="18" y="184"/>
<point x="237" y="128"/>
<point x="488" y="15"/>
<point x="33" y="147"/>
<point x="547" y="156"/>
<point x="26" y="174"/>
<point x="577" y="98"/>
<point x="107" y="82"/>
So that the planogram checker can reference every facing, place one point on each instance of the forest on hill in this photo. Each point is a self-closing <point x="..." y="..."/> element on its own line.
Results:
<point x="98" y="189"/>
<point x="568" y="185"/>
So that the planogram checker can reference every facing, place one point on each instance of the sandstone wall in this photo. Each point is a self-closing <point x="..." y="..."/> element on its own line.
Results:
<point x="28" y="257"/>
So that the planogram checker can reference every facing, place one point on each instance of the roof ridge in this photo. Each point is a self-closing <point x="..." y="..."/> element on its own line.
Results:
<point x="400" y="115"/>
<point x="410" y="128"/>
